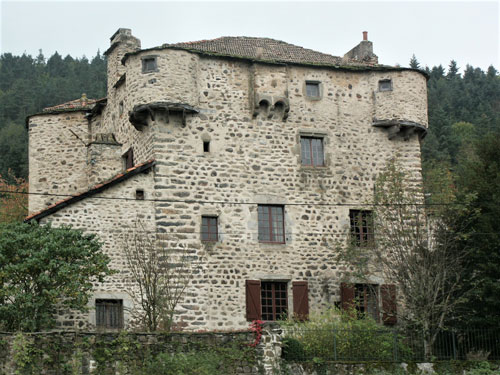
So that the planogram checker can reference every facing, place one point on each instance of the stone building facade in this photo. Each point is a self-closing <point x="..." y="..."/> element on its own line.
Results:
<point x="252" y="156"/>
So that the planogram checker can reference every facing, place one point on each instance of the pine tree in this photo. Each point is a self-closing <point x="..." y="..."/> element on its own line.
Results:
<point x="414" y="64"/>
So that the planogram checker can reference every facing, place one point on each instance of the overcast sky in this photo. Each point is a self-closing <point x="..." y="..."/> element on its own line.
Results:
<point x="436" y="32"/>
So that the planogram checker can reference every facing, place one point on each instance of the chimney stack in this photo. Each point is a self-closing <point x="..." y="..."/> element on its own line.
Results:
<point x="362" y="53"/>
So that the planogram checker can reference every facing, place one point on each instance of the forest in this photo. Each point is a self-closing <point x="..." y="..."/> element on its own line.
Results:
<point x="460" y="154"/>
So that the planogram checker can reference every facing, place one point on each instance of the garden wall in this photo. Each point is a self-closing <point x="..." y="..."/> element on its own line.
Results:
<point x="119" y="353"/>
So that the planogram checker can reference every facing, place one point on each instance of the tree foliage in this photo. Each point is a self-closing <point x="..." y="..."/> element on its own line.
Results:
<point x="13" y="199"/>
<point x="43" y="269"/>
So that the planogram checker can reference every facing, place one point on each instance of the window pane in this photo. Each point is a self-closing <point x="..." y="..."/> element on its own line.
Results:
<point x="317" y="151"/>
<point x="305" y="147"/>
<point x="271" y="223"/>
<point x="209" y="228"/>
<point x="312" y="90"/>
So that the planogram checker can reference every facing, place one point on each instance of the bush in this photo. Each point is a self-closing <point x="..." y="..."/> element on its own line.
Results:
<point x="340" y="335"/>
<point x="293" y="350"/>
<point x="199" y="363"/>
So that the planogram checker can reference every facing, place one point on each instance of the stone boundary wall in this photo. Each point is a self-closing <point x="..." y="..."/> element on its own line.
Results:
<point x="120" y="353"/>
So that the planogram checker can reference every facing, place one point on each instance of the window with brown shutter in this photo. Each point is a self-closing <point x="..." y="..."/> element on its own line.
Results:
<point x="254" y="309"/>
<point x="389" y="304"/>
<point x="300" y="300"/>
<point x="362" y="299"/>
<point x="274" y="300"/>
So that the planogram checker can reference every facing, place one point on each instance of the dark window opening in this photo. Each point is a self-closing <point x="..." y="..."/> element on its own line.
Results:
<point x="128" y="159"/>
<point x="109" y="313"/>
<point x="139" y="194"/>
<point x="120" y="108"/>
<point x="209" y="230"/>
<point x="274" y="300"/>
<point x="206" y="146"/>
<point x="149" y="64"/>
<point x="311" y="149"/>
<point x="385" y="85"/>
<point x="271" y="224"/>
<point x="312" y="89"/>
<point x="366" y="300"/>
<point x="361" y="227"/>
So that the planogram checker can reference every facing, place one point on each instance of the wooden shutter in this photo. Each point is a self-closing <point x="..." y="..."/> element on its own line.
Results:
<point x="300" y="300"/>
<point x="389" y="304"/>
<point x="254" y="309"/>
<point x="347" y="296"/>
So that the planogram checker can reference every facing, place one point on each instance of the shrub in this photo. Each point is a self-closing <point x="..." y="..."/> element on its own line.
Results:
<point x="293" y="350"/>
<point x="340" y="335"/>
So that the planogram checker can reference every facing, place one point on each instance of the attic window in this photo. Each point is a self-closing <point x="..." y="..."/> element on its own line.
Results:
<point x="139" y="194"/>
<point x="312" y="89"/>
<point x="385" y="85"/>
<point x="149" y="64"/>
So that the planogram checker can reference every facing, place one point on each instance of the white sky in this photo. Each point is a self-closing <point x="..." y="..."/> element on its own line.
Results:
<point x="436" y="32"/>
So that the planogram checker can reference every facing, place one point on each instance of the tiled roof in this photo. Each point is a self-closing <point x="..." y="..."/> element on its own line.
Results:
<point x="139" y="168"/>
<point x="260" y="49"/>
<point x="82" y="103"/>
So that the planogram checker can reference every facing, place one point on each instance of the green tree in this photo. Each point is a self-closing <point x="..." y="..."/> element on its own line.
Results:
<point x="43" y="269"/>
<point x="479" y="177"/>
<point x="414" y="62"/>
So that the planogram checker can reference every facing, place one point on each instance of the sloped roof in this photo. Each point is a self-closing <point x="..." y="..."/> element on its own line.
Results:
<point x="260" y="49"/>
<point x="78" y="104"/>
<point x="139" y="168"/>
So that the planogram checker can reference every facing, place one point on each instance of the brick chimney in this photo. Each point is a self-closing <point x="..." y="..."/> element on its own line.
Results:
<point x="362" y="53"/>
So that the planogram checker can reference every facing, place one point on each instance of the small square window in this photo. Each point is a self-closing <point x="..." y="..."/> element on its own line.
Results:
<point x="361" y="227"/>
<point x="149" y="64"/>
<point x="311" y="150"/>
<point x="209" y="232"/>
<point x="312" y="90"/>
<point x="271" y="224"/>
<point x="139" y="194"/>
<point x="385" y="85"/>
<point x="109" y="313"/>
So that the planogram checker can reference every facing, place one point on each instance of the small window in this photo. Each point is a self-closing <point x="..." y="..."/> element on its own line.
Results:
<point x="271" y="224"/>
<point x="128" y="159"/>
<point x="312" y="89"/>
<point x="120" y="108"/>
<point x="274" y="300"/>
<point x="361" y="227"/>
<point x="139" y="195"/>
<point x="366" y="300"/>
<point x="385" y="85"/>
<point x="209" y="232"/>
<point x="206" y="146"/>
<point x="149" y="64"/>
<point x="311" y="149"/>
<point x="109" y="313"/>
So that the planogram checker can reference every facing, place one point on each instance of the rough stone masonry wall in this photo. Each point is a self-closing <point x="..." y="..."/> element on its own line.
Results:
<point x="114" y="221"/>
<point x="257" y="161"/>
<point x="57" y="157"/>
<point x="125" y="353"/>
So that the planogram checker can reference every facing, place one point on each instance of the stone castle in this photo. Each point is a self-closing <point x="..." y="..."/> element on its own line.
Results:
<point x="252" y="156"/>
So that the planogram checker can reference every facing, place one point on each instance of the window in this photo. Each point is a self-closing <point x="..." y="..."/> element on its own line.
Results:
<point x="364" y="300"/>
<point x="109" y="313"/>
<point x="149" y="64"/>
<point x="209" y="231"/>
<point x="312" y="89"/>
<point x="274" y="300"/>
<point x="385" y="85"/>
<point x="139" y="194"/>
<point x="128" y="159"/>
<point x="361" y="227"/>
<point x="268" y="300"/>
<point x="206" y="146"/>
<point x="311" y="150"/>
<point x="271" y="224"/>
